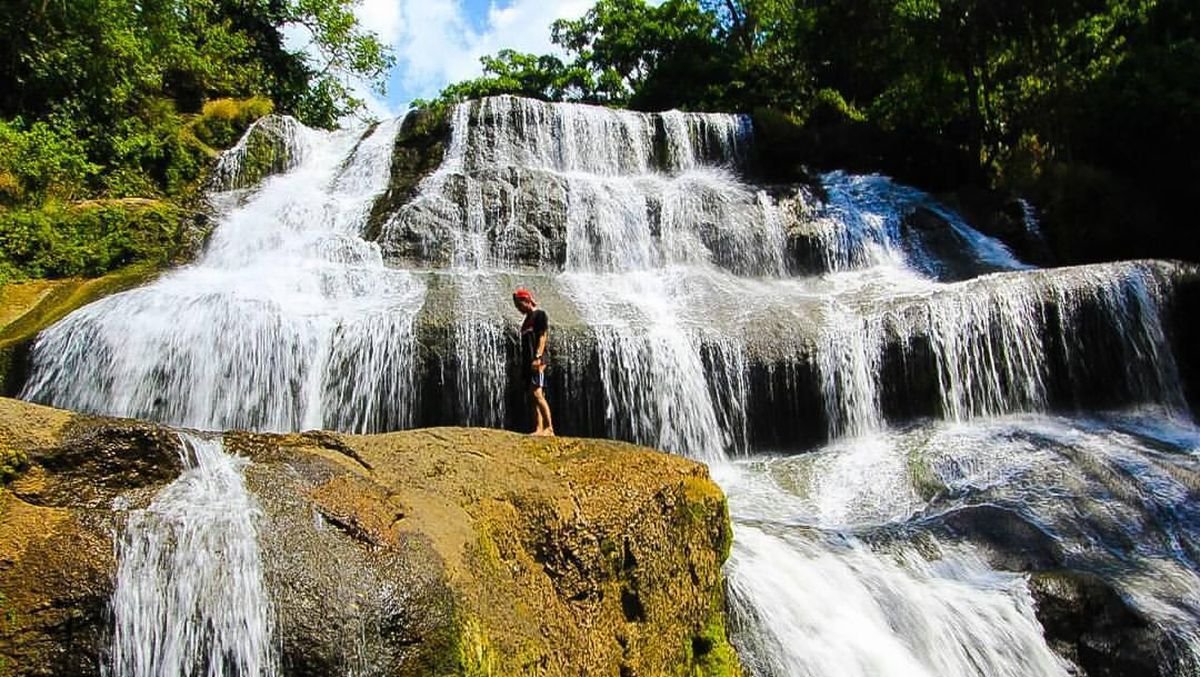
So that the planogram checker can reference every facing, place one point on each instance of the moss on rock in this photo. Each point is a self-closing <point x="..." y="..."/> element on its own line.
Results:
<point x="709" y="652"/>
<point x="222" y="121"/>
<point x="12" y="463"/>
<point x="265" y="149"/>
<point x="27" y="308"/>
<point x="420" y="147"/>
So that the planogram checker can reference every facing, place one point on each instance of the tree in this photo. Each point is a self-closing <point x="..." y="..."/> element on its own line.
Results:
<point x="621" y="52"/>
<point x="625" y="44"/>
<point x="510" y="72"/>
<point x="101" y="60"/>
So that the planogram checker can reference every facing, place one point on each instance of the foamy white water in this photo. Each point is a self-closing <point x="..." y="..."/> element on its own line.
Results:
<point x="189" y="596"/>
<point x="841" y="609"/>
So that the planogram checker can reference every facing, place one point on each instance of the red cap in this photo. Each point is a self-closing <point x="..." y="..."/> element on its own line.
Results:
<point x="523" y="294"/>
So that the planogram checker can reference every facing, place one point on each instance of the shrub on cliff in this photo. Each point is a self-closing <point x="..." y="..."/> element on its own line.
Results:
<point x="223" y="121"/>
<point x="60" y="240"/>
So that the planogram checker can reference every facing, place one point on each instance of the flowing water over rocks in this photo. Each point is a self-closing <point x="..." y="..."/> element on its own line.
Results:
<point x="288" y="321"/>
<point x="189" y="597"/>
<point x="973" y="490"/>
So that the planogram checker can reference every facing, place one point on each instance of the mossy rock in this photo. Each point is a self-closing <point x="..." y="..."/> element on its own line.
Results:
<point x="420" y="147"/>
<point x="26" y="308"/>
<point x="12" y="463"/>
<point x="432" y="552"/>
<point x="267" y="148"/>
<point x="223" y="121"/>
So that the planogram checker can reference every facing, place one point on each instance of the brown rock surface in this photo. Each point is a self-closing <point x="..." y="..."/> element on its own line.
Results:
<point x="430" y="552"/>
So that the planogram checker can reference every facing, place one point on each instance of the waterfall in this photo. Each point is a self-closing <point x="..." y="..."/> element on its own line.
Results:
<point x="864" y="372"/>
<point x="189" y="596"/>
<point x="289" y="320"/>
<point x="843" y="609"/>
<point x="862" y="223"/>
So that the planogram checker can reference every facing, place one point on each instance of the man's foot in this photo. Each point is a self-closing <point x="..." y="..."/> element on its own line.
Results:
<point x="544" y="432"/>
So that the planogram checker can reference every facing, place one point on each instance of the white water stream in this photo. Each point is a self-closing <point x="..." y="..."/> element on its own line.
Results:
<point x="288" y="321"/>
<point x="189" y="597"/>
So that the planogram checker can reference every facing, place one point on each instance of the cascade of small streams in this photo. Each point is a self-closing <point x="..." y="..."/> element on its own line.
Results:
<point x="689" y="309"/>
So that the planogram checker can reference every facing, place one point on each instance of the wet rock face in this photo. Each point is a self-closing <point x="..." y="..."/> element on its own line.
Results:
<point x="1087" y="622"/>
<point x="522" y="213"/>
<point x="1006" y="218"/>
<point x="419" y="149"/>
<point x="1184" y="315"/>
<point x="433" y="552"/>
<point x="269" y="147"/>
<point x="940" y="251"/>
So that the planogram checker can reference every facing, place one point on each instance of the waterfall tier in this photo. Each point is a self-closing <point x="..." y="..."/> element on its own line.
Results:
<point x="679" y="319"/>
<point x="189" y="596"/>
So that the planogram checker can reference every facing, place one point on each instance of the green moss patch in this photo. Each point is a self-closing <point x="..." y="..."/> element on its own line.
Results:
<point x="709" y="652"/>
<point x="223" y="121"/>
<point x="12" y="463"/>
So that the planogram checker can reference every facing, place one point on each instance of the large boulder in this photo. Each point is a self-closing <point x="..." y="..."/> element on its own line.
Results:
<point x="432" y="552"/>
<point x="272" y="145"/>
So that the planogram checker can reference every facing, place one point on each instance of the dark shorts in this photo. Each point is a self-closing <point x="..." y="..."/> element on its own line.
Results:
<point x="537" y="380"/>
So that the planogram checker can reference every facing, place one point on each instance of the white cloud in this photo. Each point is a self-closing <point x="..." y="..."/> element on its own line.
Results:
<point x="436" y="43"/>
<point x="298" y="39"/>
<point x="383" y="17"/>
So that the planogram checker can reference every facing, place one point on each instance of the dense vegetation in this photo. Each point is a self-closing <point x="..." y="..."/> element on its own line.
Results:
<point x="1091" y="108"/>
<point x="112" y="110"/>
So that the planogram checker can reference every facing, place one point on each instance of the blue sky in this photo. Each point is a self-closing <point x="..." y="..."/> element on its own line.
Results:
<point x="437" y="42"/>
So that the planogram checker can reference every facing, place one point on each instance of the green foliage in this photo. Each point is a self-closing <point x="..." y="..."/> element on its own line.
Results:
<point x="624" y="52"/>
<point x="102" y="89"/>
<point x="57" y="240"/>
<point x="101" y="59"/>
<point x="12" y="463"/>
<point x="625" y="43"/>
<point x="43" y="159"/>
<point x="151" y="155"/>
<point x="112" y="99"/>
<point x="223" y="121"/>
<point x="511" y="72"/>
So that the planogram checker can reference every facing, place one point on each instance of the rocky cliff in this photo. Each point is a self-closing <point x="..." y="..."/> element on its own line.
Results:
<point x="430" y="552"/>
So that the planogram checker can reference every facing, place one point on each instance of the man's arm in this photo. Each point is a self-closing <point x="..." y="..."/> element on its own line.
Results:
<point x="542" y="327"/>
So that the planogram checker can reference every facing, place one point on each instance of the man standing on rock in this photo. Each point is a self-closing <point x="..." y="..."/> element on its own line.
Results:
<point x="534" y="331"/>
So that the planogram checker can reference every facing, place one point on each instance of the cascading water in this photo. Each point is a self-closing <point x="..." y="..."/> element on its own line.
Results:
<point x="189" y="597"/>
<point x="847" y="532"/>
<point x="696" y="312"/>
<point x="289" y="320"/>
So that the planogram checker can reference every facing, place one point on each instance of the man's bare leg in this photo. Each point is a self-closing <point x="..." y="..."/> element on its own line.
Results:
<point x="538" y="424"/>
<point x="541" y="408"/>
